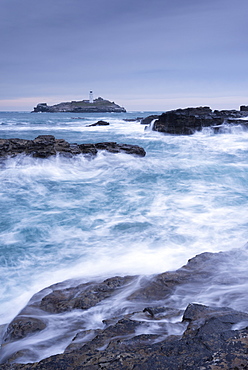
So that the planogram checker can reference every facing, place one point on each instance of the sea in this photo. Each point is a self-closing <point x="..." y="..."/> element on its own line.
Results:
<point x="65" y="218"/>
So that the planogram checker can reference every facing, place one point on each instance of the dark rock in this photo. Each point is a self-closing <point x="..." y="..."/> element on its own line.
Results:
<point x="45" y="146"/>
<point x="158" y="313"/>
<point x="42" y="146"/>
<point x="117" y="148"/>
<point x="22" y="326"/>
<point x="244" y="108"/>
<point x="61" y="145"/>
<point x="188" y="121"/>
<point x="74" y="149"/>
<point x="124" y="328"/>
<point x="83" y="296"/>
<point x="200" y="316"/>
<point x="149" y="119"/>
<point x="213" y="345"/>
<point x="42" y="107"/>
<point x="132" y="149"/>
<point x="132" y="119"/>
<point x="99" y="123"/>
<point x="208" y="339"/>
<point x="109" y="146"/>
<point x="88" y="149"/>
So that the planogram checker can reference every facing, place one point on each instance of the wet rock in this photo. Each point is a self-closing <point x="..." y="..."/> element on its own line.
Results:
<point x="13" y="145"/>
<point x="188" y="121"/>
<point x="82" y="337"/>
<point x="88" y="149"/>
<point x="158" y="313"/>
<point x="74" y="149"/>
<point x="82" y="296"/>
<point x="22" y="326"/>
<point x="149" y="119"/>
<point x="61" y="145"/>
<point x="214" y="345"/>
<point x="117" y="148"/>
<point x="45" y="146"/>
<point x="198" y="272"/>
<point x="42" y="147"/>
<point x="204" y="320"/>
<point x="99" y="123"/>
<point x="209" y="337"/>
<point x="122" y="330"/>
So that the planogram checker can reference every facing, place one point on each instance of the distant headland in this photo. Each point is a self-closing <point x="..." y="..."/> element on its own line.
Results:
<point x="98" y="105"/>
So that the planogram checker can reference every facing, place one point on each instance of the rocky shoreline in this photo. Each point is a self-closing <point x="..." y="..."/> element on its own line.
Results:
<point x="140" y="335"/>
<point x="189" y="120"/>
<point x="45" y="146"/>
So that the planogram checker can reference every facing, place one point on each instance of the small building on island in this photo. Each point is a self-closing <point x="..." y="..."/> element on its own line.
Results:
<point x="91" y="97"/>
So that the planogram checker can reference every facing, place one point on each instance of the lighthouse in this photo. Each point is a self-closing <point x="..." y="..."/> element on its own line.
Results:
<point x="91" y="96"/>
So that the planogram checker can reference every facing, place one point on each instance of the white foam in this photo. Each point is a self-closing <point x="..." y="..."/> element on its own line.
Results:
<point x="68" y="218"/>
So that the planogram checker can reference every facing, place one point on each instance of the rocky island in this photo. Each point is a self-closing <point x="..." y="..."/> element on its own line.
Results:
<point x="98" y="105"/>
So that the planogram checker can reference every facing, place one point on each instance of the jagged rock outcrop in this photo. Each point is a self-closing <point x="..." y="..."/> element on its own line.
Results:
<point x="188" y="121"/>
<point x="45" y="146"/>
<point x="209" y="337"/>
<point x="99" y="105"/>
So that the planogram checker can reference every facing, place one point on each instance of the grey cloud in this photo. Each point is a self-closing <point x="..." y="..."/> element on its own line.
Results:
<point x="166" y="45"/>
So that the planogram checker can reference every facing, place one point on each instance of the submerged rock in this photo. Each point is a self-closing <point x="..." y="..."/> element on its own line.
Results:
<point x="45" y="146"/>
<point x="188" y="121"/>
<point x="137" y="119"/>
<point x="135" y="335"/>
<point x="99" y="123"/>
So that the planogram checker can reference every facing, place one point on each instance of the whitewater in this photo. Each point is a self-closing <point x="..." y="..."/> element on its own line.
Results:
<point x="117" y="214"/>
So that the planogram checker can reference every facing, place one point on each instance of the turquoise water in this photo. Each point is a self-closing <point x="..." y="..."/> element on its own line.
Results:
<point x="115" y="214"/>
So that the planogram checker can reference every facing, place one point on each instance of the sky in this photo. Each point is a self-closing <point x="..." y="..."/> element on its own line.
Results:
<point x="142" y="54"/>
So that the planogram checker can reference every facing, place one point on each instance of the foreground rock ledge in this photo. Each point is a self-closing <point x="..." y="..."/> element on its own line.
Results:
<point x="45" y="146"/>
<point x="212" y="338"/>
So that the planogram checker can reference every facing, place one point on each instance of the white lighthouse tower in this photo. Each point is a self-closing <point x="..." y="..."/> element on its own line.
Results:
<point x="91" y="96"/>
